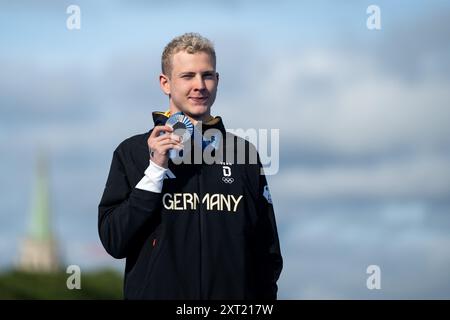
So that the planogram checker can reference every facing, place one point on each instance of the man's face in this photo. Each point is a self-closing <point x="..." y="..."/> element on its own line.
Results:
<point x="192" y="85"/>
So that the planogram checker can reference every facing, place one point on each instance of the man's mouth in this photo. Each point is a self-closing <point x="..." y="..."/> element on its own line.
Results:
<point x="199" y="99"/>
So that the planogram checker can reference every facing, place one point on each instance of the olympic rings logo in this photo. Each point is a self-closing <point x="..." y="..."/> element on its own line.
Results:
<point x="227" y="180"/>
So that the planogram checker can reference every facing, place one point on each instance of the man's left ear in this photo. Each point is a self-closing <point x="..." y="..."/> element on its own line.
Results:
<point x="164" y="83"/>
<point x="217" y="76"/>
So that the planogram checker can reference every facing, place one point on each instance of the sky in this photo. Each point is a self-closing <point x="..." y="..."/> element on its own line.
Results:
<point x="363" y="118"/>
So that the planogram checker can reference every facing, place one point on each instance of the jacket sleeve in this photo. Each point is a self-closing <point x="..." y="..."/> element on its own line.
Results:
<point x="268" y="246"/>
<point x="123" y="210"/>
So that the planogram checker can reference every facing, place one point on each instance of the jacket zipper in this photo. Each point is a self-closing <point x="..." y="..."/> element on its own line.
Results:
<point x="201" y="232"/>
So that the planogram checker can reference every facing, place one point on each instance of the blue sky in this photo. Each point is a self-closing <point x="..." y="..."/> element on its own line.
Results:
<point x="363" y="118"/>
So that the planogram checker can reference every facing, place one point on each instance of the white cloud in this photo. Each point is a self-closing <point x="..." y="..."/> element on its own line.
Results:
<point x="326" y="255"/>
<point x="425" y="177"/>
<point x="344" y="103"/>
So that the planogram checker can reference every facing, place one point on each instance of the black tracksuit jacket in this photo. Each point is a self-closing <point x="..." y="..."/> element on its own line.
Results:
<point x="201" y="237"/>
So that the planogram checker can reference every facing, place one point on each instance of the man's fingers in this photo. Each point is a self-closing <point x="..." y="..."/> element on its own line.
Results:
<point x="156" y="130"/>
<point x="161" y="137"/>
<point x="169" y="142"/>
<point x="168" y="136"/>
<point x="176" y="137"/>
<point x="162" y="140"/>
<point x="163" y="149"/>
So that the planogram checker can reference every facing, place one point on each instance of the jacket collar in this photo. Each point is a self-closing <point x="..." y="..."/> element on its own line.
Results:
<point x="160" y="118"/>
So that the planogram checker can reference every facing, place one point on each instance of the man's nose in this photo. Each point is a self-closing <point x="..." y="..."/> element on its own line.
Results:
<point x="199" y="83"/>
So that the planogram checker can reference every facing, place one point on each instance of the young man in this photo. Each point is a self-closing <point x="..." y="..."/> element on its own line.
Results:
<point x="190" y="230"/>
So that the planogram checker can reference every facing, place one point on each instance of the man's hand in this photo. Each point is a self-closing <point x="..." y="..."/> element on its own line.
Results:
<point x="160" y="145"/>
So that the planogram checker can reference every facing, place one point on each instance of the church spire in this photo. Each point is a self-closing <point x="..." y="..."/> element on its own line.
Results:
<point x="38" y="252"/>
<point x="40" y="224"/>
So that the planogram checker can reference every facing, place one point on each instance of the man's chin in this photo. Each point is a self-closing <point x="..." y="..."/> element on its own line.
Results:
<point x="198" y="112"/>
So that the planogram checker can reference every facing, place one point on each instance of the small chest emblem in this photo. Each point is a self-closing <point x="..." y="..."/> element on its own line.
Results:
<point x="227" y="178"/>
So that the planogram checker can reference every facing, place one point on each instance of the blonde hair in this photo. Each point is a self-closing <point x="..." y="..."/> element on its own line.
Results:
<point x="189" y="42"/>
